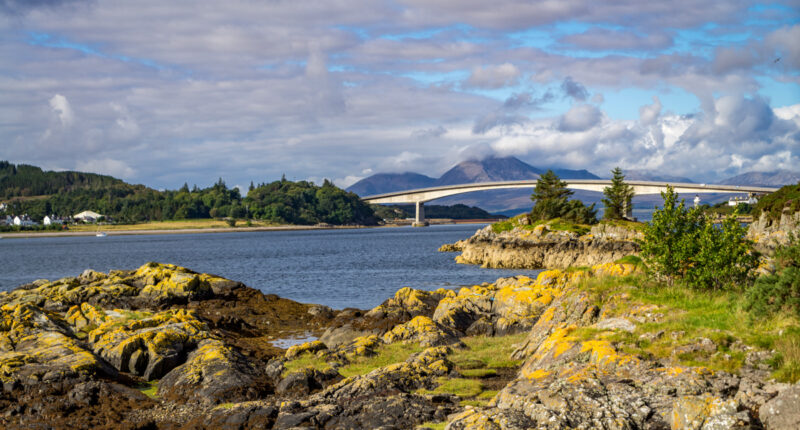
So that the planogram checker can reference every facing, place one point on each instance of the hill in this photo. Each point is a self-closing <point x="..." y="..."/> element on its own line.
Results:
<point x="489" y="170"/>
<point x="775" y="178"/>
<point x="23" y="180"/>
<point x="284" y="202"/>
<point x="472" y="171"/>
<point x="388" y="182"/>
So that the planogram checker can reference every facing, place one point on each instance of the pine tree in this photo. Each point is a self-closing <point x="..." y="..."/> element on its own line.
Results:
<point x="619" y="196"/>
<point x="551" y="200"/>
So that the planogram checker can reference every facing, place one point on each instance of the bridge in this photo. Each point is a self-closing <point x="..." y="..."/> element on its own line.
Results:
<point x="422" y="195"/>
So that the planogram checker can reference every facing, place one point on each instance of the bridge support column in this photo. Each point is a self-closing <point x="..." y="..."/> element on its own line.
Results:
<point x="419" y="219"/>
<point x="627" y="210"/>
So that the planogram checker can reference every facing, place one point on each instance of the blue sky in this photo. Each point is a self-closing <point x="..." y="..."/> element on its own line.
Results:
<point x="163" y="93"/>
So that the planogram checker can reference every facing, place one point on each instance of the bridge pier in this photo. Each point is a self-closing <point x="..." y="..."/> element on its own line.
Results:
<point x="419" y="219"/>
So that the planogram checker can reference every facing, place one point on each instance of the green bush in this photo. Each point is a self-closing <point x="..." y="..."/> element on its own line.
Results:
<point x="682" y="244"/>
<point x="781" y="290"/>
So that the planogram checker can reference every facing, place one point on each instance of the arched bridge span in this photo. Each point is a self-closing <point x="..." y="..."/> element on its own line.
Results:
<point x="422" y="195"/>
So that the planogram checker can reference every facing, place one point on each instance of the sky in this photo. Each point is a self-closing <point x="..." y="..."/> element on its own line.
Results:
<point x="167" y="92"/>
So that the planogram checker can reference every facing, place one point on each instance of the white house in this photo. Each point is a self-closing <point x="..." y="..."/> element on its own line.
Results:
<point x="7" y="220"/>
<point x="87" y="216"/>
<point x="3" y="206"/>
<point x="23" y="221"/>
<point x="52" y="219"/>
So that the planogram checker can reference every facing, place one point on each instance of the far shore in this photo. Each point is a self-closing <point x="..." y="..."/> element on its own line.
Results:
<point x="121" y="232"/>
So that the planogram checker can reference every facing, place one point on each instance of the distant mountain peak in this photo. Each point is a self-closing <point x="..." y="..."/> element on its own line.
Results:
<point x="489" y="169"/>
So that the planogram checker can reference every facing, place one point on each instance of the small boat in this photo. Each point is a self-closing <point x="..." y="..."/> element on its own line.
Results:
<point x="100" y="233"/>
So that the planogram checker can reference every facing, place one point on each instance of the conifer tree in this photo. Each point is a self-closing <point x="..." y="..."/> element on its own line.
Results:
<point x="551" y="200"/>
<point x="619" y="196"/>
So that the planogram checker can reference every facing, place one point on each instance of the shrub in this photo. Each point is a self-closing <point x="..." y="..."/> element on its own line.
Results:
<point x="781" y="290"/>
<point x="682" y="244"/>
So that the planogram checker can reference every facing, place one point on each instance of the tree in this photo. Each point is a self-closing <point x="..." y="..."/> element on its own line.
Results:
<point x="683" y="244"/>
<point x="619" y="197"/>
<point x="551" y="200"/>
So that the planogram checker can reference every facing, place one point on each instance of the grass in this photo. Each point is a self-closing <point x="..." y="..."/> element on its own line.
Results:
<point x="164" y="225"/>
<point x="150" y="389"/>
<point x="556" y="224"/>
<point x="487" y="352"/>
<point x="479" y="373"/>
<point x="690" y="314"/>
<point x="630" y="225"/>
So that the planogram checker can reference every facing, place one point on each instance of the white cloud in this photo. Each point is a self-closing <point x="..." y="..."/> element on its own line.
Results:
<point x="62" y="109"/>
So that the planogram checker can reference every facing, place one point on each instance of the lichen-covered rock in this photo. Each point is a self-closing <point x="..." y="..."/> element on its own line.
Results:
<point x="150" y="346"/>
<point x="423" y="330"/>
<point x="540" y="248"/>
<point x="304" y="348"/>
<point x="36" y="346"/>
<point x="768" y="234"/>
<point x="214" y="373"/>
<point x="782" y="412"/>
<point x="408" y="303"/>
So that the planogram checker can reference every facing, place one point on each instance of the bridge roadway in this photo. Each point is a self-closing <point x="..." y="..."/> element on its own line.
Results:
<point x="422" y="195"/>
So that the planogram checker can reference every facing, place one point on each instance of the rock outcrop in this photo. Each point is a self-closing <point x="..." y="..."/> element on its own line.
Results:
<point x="79" y="353"/>
<point x="540" y="247"/>
<point x="768" y="234"/>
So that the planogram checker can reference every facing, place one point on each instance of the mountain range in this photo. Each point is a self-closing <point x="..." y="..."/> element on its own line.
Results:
<point x="509" y="202"/>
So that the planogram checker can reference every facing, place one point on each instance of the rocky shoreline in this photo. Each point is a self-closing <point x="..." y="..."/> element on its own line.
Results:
<point x="526" y="247"/>
<point x="165" y="347"/>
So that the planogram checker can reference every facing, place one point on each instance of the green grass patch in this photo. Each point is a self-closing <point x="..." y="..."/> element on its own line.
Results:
<point x="150" y="389"/>
<point x="631" y="259"/>
<point x="478" y="373"/>
<point x="690" y="314"/>
<point x="630" y="225"/>
<point x="386" y="354"/>
<point x="487" y="352"/>
<point x="303" y="362"/>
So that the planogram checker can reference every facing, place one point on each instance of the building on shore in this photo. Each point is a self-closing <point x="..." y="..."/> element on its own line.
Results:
<point x="87" y="216"/>
<point x="24" y="221"/>
<point x="52" y="219"/>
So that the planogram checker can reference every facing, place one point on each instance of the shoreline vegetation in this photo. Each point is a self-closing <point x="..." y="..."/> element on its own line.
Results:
<point x="208" y="226"/>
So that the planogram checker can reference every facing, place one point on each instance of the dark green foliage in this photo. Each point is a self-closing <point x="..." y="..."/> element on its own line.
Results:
<point x="682" y="244"/>
<point x="619" y="196"/>
<point x="281" y="202"/>
<point x="304" y="203"/>
<point x="781" y="290"/>
<point x="551" y="200"/>
<point x="786" y="198"/>
<point x="23" y="180"/>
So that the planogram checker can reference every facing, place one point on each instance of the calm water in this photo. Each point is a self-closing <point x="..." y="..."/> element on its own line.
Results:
<point x="339" y="268"/>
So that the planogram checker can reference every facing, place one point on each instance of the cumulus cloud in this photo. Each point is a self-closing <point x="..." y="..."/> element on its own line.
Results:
<point x="648" y="114"/>
<point x="580" y="117"/>
<point x="574" y="89"/>
<point x="62" y="109"/>
<point x="527" y="99"/>
<point x="256" y="89"/>
<point x="492" y="77"/>
<point x="739" y="134"/>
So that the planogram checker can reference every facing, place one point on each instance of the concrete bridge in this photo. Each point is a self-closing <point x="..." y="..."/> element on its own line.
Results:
<point x="422" y="195"/>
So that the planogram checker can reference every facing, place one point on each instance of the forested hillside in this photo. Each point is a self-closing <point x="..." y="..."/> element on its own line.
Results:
<point x="24" y="180"/>
<point x="68" y="193"/>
